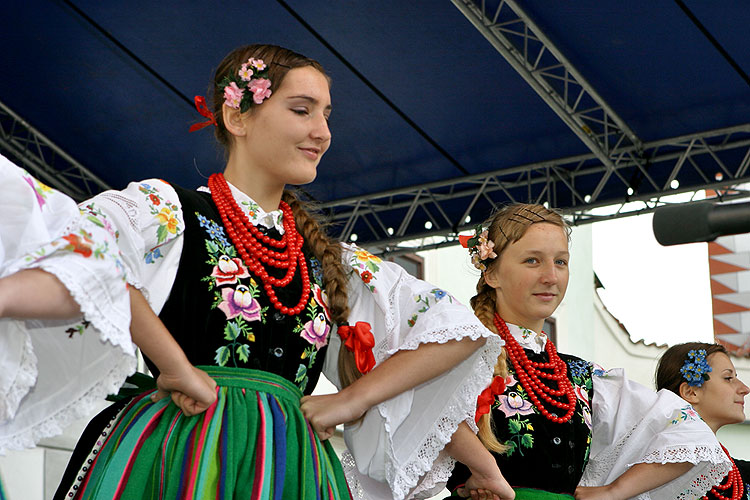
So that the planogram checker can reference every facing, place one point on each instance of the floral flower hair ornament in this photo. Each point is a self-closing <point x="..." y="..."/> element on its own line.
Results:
<point x="250" y="84"/>
<point x="481" y="248"/>
<point x="696" y="368"/>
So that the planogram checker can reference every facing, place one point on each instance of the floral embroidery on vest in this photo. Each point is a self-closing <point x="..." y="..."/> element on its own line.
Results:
<point x="236" y="293"/>
<point x="317" y="327"/>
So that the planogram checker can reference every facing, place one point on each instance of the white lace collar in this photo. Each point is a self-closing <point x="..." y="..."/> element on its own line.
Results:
<point x="255" y="214"/>
<point x="528" y="339"/>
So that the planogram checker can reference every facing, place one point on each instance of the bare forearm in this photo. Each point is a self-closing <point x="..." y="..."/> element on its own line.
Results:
<point x="466" y="447"/>
<point x="34" y="293"/>
<point x="644" y="477"/>
<point x="152" y="337"/>
<point x="407" y="369"/>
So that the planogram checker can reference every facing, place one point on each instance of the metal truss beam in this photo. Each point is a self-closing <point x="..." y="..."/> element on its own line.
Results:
<point x="29" y="148"/>
<point x="717" y="159"/>
<point x="523" y="44"/>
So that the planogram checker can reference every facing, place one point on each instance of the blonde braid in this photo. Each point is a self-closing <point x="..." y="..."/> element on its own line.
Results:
<point x="483" y="304"/>
<point x="335" y="280"/>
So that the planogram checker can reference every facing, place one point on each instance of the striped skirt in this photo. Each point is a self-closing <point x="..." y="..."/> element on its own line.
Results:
<point x="253" y="443"/>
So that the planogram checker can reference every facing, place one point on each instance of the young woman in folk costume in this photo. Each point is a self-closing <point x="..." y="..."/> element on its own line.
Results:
<point x="59" y="261"/>
<point x="551" y="420"/>
<point x="704" y="376"/>
<point x="255" y="293"/>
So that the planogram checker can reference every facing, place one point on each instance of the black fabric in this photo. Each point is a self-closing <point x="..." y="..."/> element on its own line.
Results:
<point x="192" y="317"/>
<point x="558" y="453"/>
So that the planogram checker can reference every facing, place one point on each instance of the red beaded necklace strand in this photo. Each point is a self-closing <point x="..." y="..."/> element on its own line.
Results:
<point x="251" y="245"/>
<point x="530" y="374"/>
<point x="733" y="480"/>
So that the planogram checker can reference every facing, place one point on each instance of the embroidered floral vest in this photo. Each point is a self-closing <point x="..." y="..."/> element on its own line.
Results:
<point x="219" y="313"/>
<point x="541" y="454"/>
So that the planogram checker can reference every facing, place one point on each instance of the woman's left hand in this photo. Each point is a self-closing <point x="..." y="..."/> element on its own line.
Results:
<point x="327" y="411"/>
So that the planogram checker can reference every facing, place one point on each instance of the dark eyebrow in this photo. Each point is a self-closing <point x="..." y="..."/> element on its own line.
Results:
<point x="309" y="99"/>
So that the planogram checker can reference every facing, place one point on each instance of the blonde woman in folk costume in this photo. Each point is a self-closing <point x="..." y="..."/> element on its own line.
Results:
<point x="253" y="291"/>
<point x="557" y="427"/>
<point x="703" y="375"/>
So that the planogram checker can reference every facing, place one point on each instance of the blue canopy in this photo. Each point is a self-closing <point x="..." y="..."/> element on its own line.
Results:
<point x="421" y="97"/>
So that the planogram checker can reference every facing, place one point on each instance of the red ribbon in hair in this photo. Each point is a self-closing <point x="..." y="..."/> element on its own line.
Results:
<point x="359" y="340"/>
<point x="200" y="105"/>
<point x="485" y="400"/>
<point x="464" y="240"/>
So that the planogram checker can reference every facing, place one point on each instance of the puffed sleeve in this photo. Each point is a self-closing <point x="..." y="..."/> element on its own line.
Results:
<point x="150" y="223"/>
<point x="397" y="451"/>
<point x="633" y="424"/>
<point x="53" y="372"/>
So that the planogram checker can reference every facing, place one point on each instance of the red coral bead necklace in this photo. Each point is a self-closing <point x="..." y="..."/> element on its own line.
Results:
<point x="733" y="480"/>
<point x="530" y="374"/>
<point x="253" y="245"/>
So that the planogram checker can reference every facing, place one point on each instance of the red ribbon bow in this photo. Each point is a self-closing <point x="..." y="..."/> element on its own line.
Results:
<point x="485" y="400"/>
<point x="200" y="105"/>
<point x="359" y="340"/>
<point x="464" y="240"/>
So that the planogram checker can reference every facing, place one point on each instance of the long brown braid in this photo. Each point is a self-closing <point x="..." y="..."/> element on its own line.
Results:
<point x="504" y="227"/>
<point x="280" y="61"/>
<point x="328" y="252"/>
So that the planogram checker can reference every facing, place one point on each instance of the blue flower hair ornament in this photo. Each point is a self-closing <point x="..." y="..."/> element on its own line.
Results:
<point x="696" y="369"/>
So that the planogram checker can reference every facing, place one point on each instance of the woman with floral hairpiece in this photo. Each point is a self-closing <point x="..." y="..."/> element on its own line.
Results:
<point x="555" y="425"/>
<point x="253" y="291"/>
<point x="703" y="375"/>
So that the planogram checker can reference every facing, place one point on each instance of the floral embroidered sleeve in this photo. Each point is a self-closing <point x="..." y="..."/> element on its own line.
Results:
<point x="633" y="424"/>
<point x="398" y="448"/>
<point x="52" y="372"/>
<point x="150" y="224"/>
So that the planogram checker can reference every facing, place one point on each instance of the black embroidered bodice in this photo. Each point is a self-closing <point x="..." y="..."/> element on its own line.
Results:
<point x="219" y="313"/>
<point x="542" y="455"/>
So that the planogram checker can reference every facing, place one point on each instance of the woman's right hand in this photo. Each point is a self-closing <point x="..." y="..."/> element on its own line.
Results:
<point x="480" y="487"/>
<point x="192" y="389"/>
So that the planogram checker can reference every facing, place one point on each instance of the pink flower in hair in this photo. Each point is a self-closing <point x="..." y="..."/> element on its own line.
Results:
<point x="245" y="73"/>
<point x="257" y="64"/>
<point x="260" y="89"/>
<point x="485" y="247"/>
<point x="233" y="95"/>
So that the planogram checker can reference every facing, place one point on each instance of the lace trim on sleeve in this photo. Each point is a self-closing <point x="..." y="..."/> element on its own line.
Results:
<point x="84" y="406"/>
<point x="716" y="466"/>
<point x="429" y="468"/>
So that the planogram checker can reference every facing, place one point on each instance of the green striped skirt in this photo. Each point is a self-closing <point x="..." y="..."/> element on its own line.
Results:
<point x="252" y="443"/>
<point x="532" y="494"/>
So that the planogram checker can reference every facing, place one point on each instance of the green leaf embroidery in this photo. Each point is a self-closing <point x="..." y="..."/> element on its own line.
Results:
<point x="243" y="350"/>
<point x="231" y="331"/>
<point x="527" y="440"/>
<point x="222" y="355"/>
<point x="514" y="426"/>
<point x="161" y="234"/>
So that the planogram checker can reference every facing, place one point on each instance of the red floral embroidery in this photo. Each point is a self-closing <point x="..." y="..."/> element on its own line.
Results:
<point x="78" y="245"/>
<point x="366" y="276"/>
<point x="154" y="199"/>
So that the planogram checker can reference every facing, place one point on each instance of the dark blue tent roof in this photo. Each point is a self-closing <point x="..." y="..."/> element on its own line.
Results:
<point x="420" y="96"/>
